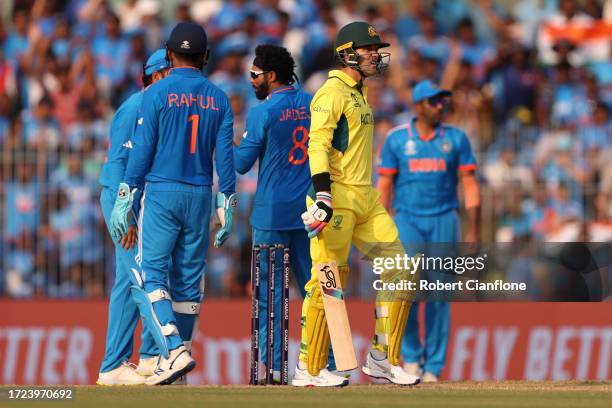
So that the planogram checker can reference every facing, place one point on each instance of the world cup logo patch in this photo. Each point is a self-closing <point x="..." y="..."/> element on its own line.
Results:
<point x="446" y="147"/>
<point x="410" y="148"/>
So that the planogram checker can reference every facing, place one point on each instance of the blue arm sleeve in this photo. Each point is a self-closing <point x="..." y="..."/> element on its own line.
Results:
<point x="118" y="130"/>
<point x="145" y="141"/>
<point x="388" y="163"/>
<point x="224" y="154"/>
<point x="252" y="142"/>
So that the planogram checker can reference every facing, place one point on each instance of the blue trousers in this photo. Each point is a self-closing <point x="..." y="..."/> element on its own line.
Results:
<point x="299" y="244"/>
<point x="415" y="231"/>
<point x="122" y="311"/>
<point x="174" y="221"/>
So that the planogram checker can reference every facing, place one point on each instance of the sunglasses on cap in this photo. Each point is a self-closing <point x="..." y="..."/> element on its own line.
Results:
<point x="437" y="100"/>
<point x="255" y="74"/>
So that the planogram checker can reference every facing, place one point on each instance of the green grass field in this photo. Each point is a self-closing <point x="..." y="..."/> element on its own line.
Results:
<point x="463" y="394"/>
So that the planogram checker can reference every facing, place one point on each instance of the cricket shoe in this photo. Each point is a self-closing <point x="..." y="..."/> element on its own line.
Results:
<point x="412" y="369"/>
<point x="302" y="378"/>
<point x="182" y="380"/>
<point x="393" y="373"/>
<point x="170" y="369"/>
<point x="146" y="366"/>
<point x="125" y="374"/>
<point x="430" y="377"/>
<point x="344" y="374"/>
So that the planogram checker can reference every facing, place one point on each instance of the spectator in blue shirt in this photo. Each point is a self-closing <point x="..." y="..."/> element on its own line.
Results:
<point x="429" y="42"/>
<point x="228" y="19"/>
<point x="21" y="199"/>
<point x="477" y="53"/>
<point x="40" y="129"/>
<point x="111" y="52"/>
<point x="17" y="42"/>
<point x="87" y="126"/>
<point x="597" y="135"/>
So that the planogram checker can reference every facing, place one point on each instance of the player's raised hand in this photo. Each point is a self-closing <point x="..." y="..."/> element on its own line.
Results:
<point x="318" y="215"/>
<point x="123" y="204"/>
<point x="225" y="211"/>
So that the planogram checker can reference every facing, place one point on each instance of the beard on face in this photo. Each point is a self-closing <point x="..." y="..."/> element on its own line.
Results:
<point x="435" y="116"/>
<point x="262" y="91"/>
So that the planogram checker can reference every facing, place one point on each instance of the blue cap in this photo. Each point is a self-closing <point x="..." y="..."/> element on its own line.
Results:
<point x="156" y="62"/>
<point x="427" y="89"/>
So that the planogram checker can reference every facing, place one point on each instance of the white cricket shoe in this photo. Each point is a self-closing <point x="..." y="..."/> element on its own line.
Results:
<point x="430" y="377"/>
<point x="182" y="380"/>
<point x="125" y="374"/>
<point x="170" y="369"/>
<point x="412" y="369"/>
<point x="302" y="378"/>
<point x="393" y="373"/>
<point x="146" y="366"/>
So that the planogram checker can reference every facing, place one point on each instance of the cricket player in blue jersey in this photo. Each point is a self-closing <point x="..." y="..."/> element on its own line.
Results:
<point x="421" y="164"/>
<point x="277" y="134"/>
<point x="123" y="313"/>
<point x="184" y="122"/>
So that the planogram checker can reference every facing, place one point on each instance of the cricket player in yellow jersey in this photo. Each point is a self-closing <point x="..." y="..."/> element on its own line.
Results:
<point x="340" y="153"/>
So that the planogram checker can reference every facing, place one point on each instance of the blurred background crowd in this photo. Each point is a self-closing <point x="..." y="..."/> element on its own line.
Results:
<point x="531" y="81"/>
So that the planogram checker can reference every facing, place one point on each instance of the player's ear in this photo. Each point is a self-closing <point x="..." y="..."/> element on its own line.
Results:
<point x="272" y="76"/>
<point x="169" y="57"/>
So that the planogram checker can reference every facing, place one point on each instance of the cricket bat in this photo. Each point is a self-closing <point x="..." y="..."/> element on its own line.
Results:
<point x="337" y="318"/>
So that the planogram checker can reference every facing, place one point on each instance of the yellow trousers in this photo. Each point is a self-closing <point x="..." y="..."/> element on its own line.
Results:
<point x="358" y="219"/>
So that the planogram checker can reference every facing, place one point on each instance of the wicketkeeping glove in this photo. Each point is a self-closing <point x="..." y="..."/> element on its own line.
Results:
<point x="318" y="215"/>
<point x="123" y="205"/>
<point x="225" y="211"/>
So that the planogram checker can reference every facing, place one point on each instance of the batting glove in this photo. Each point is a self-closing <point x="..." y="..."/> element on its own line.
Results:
<point x="123" y="205"/>
<point x="225" y="211"/>
<point x="318" y="215"/>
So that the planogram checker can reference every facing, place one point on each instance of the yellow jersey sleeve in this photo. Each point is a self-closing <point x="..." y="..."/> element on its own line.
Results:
<point x="326" y="109"/>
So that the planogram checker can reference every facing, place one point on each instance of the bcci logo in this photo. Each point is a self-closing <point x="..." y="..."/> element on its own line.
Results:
<point x="185" y="45"/>
<point x="446" y="147"/>
<point x="337" y="222"/>
<point x="410" y="148"/>
<point x="372" y="31"/>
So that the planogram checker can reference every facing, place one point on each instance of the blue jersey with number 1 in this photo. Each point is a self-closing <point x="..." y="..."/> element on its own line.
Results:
<point x="277" y="134"/>
<point x="184" y="119"/>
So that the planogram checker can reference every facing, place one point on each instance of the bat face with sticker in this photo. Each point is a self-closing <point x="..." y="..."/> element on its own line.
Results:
<point x="336" y="315"/>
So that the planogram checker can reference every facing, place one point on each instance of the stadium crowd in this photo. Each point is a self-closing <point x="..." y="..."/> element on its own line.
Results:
<point x="531" y="82"/>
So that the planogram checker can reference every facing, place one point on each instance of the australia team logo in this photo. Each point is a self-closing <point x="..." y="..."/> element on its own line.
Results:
<point x="410" y="148"/>
<point x="337" y="222"/>
<point x="446" y="146"/>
